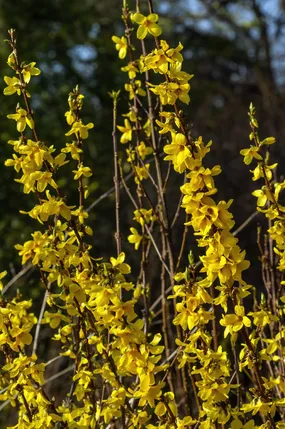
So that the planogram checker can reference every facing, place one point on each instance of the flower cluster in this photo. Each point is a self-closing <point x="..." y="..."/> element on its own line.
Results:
<point x="96" y="329"/>
<point x="219" y="283"/>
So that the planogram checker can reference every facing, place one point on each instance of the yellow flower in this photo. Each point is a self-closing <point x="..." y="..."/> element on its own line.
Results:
<point x="203" y="177"/>
<point x="11" y="61"/>
<point x="210" y="389"/>
<point x="16" y="162"/>
<point x="70" y="117"/>
<point x="22" y="118"/>
<point x="135" y="88"/>
<point x="14" y="85"/>
<point x="148" y="394"/>
<point x="131" y="155"/>
<point x="143" y="150"/>
<point x="135" y="238"/>
<point x="80" y="130"/>
<point x="49" y="207"/>
<point x="43" y="179"/>
<point x="121" y="46"/>
<point x="250" y="153"/>
<point x="235" y="322"/>
<point x="147" y="24"/>
<point x="54" y="319"/>
<point x="262" y="318"/>
<point x="147" y="128"/>
<point x="170" y="91"/>
<point x="262" y="196"/>
<point x="120" y="264"/>
<point x="170" y="120"/>
<point x="127" y="131"/>
<point x="178" y="152"/>
<point x="160" y="409"/>
<point x="131" y="69"/>
<point x="144" y="216"/>
<point x="21" y="335"/>
<point x="73" y="149"/>
<point x="260" y="170"/>
<point x="80" y="213"/>
<point x="158" y="60"/>
<point x="268" y="141"/>
<point x="30" y="70"/>
<point x="176" y="74"/>
<point x="82" y="171"/>
<point x="141" y="173"/>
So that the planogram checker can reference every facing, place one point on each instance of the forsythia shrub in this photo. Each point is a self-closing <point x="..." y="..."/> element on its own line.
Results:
<point x="215" y="364"/>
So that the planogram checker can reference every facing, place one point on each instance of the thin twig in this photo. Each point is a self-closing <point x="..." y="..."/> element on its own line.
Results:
<point x="116" y="175"/>
<point x="245" y="223"/>
<point x="59" y="374"/>
<point x="112" y="190"/>
<point x="146" y="227"/>
<point x="38" y="327"/>
<point x="20" y="274"/>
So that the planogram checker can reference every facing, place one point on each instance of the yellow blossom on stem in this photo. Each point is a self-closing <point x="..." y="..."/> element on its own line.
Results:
<point x="81" y="214"/>
<point x="169" y="92"/>
<point x="70" y="117"/>
<point x="42" y="180"/>
<point x="131" y="115"/>
<point x="144" y="216"/>
<point x="148" y="394"/>
<point x="250" y="153"/>
<point x="120" y="264"/>
<point x="135" y="88"/>
<point x="262" y="196"/>
<point x="177" y="75"/>
<point x="22" y="336"/>
<point x="144" y="150"/>
<point x="170" y="120"/>
<point x="268" y="141"/>
<point x="131" y="69"/>
<point x="131" y="155"/>
<point x="178" y="152"/>
<point x="262" y="318"/>
<point x="121" y="45"/>
<point x="11" y="60"/>
<point x="160" y="59"/>
<point x="127" y="131"/>
<point x="80" y="129"/>
<point x="33" y="248"/>
<point x="135" y="238"/>
<point x="73" y="149"/>
<point x="141" y="173"/>
<point x="49" y="207"/>
<point x="54" y="319"/>
<point x="147" y="24"/>
<point x="14" y="85"/>
<point x="263" y="170"/>
<point x="30" y="70"/>
<point x="203" y="177"/>
<point x="235" y="322"/>
<point x="82" y="171"/>
<point x="23" y="118"/>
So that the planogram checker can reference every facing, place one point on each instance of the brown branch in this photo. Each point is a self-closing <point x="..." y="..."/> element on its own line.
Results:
<point x="116" y="176"/>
